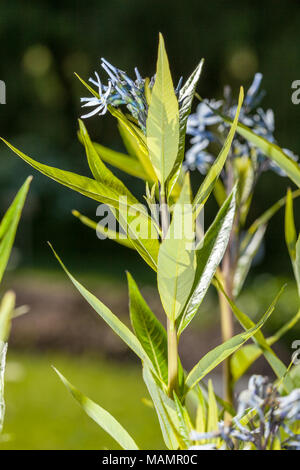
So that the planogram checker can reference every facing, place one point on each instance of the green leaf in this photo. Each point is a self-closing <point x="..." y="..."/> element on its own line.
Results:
<point x="163" y="119"/>
<point x="297" y="264"/>
<point x="208" y="258"/>
<point x="290" y="230"/>
<point x="247" y="355"/>
<point x="127" y="163"/>
<point x="9" y="224"/>
<point x="149" y="331"/>
<point x="3" y="351"/>
<point x="104" y="419"/>
<point x="270" y="150"/>
<point x="265" y="217"/>
<point x="184" y="423"/>
<point x="130" y="133"/>
<point x="185" y="99"/>
<point x="291" y="238"/>
<point x="112" y="320"/>
<point x="132" y="216"/>
<point x="221" y="352"/>
<point x="135" y="140"/>
<point x="7" y="308"/>
<point x="275" y="363"/>
<point x="214" y="172"/>
<point x="100" y="172"/>
<point x="159" y="400"/>
<point x="176" y="258"/>
<point x="111" y="234"/>
<point x="245" y="259"/>
<point x="212" y="412"/>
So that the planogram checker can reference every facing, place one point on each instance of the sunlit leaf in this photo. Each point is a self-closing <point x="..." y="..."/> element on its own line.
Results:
<point x="107" y="232"/>
<point x="176" y="258"/>
<point x="221" y="352"/>
<point x="112" y="320"/>
<point x="208" y="258"/>
<point x="214" y="172"/>
<point x="148" y="329"/>
<point x="163" y="119"/>
<point x="104" y="419"/>
<point x="9" y="224"/>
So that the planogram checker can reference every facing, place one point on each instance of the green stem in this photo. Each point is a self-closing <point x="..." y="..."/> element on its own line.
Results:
<point x="172" y="358"/>
<point x="171" y="326"/>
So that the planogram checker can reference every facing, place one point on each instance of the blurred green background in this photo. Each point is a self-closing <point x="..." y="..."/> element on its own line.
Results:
<point x="42" y="45"/>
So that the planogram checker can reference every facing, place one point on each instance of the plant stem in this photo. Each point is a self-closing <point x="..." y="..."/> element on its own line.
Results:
<point x="226" y="326"/>
<point x="172" y="358"/>
<point x="171" y="326"/>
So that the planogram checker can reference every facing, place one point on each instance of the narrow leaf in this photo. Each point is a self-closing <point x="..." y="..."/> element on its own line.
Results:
<point x="9" y="224"/>
<point x="112" y="320"/>
<point x="149" y="331"/>
<point x="104" y="419"/>
<point x="163" y="119"/>
<point x="221" y="352"/>
<point x="176" y="258"/>
<point x="210" y="180"/>
<point x="209" y="257"/>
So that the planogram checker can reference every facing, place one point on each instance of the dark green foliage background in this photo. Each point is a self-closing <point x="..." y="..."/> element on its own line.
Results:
<point x="43" y="43"/>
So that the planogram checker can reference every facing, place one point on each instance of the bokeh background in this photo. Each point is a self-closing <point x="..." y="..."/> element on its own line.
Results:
<point x="42" y="45"/>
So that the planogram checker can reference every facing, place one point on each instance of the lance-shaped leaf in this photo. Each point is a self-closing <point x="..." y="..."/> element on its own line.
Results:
<point x="209" y="257"/>
<point x="212" y="411"/>
<point x="107" y="232"/>
<point x="148" y="329"/>
<point x="291" y="238"/>
<point x="214" y="172"/>
<point x="169" y="431"/>
<point x="7" y="307"/>
<point x="247" y="355"/>
<point x="130" y="133"/>
<point x="126" y="163"/>
<point x="3" y="351"/>
<point x="163" y="119"/>
<point x="176" y="258"/>
<point x="264" y="218"/>
<point x="9" y="224"/>
<point x="245" y="259"/>
<point x="106" y="314"/>
<point x="132" y="216"/>
<point x="270" y="150"/>
<point x="221" y="352"/>
<point x="185" y="100"/>
<point x="184" y="423"/>
<point x="102" y="417"/>
<point x="276" y="364"/>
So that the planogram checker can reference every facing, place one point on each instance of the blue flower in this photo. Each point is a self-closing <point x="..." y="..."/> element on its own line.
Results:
<point x="206" y="125"/>
<point x="121" y="90"/>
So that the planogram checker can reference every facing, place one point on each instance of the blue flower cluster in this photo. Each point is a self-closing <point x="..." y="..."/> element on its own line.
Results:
<point x="270" y="417"/>
<point x="121" y="90"/>
<point x="207" y="128"/>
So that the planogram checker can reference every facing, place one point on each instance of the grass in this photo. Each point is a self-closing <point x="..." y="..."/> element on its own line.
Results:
<point x="41" y="414"/>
